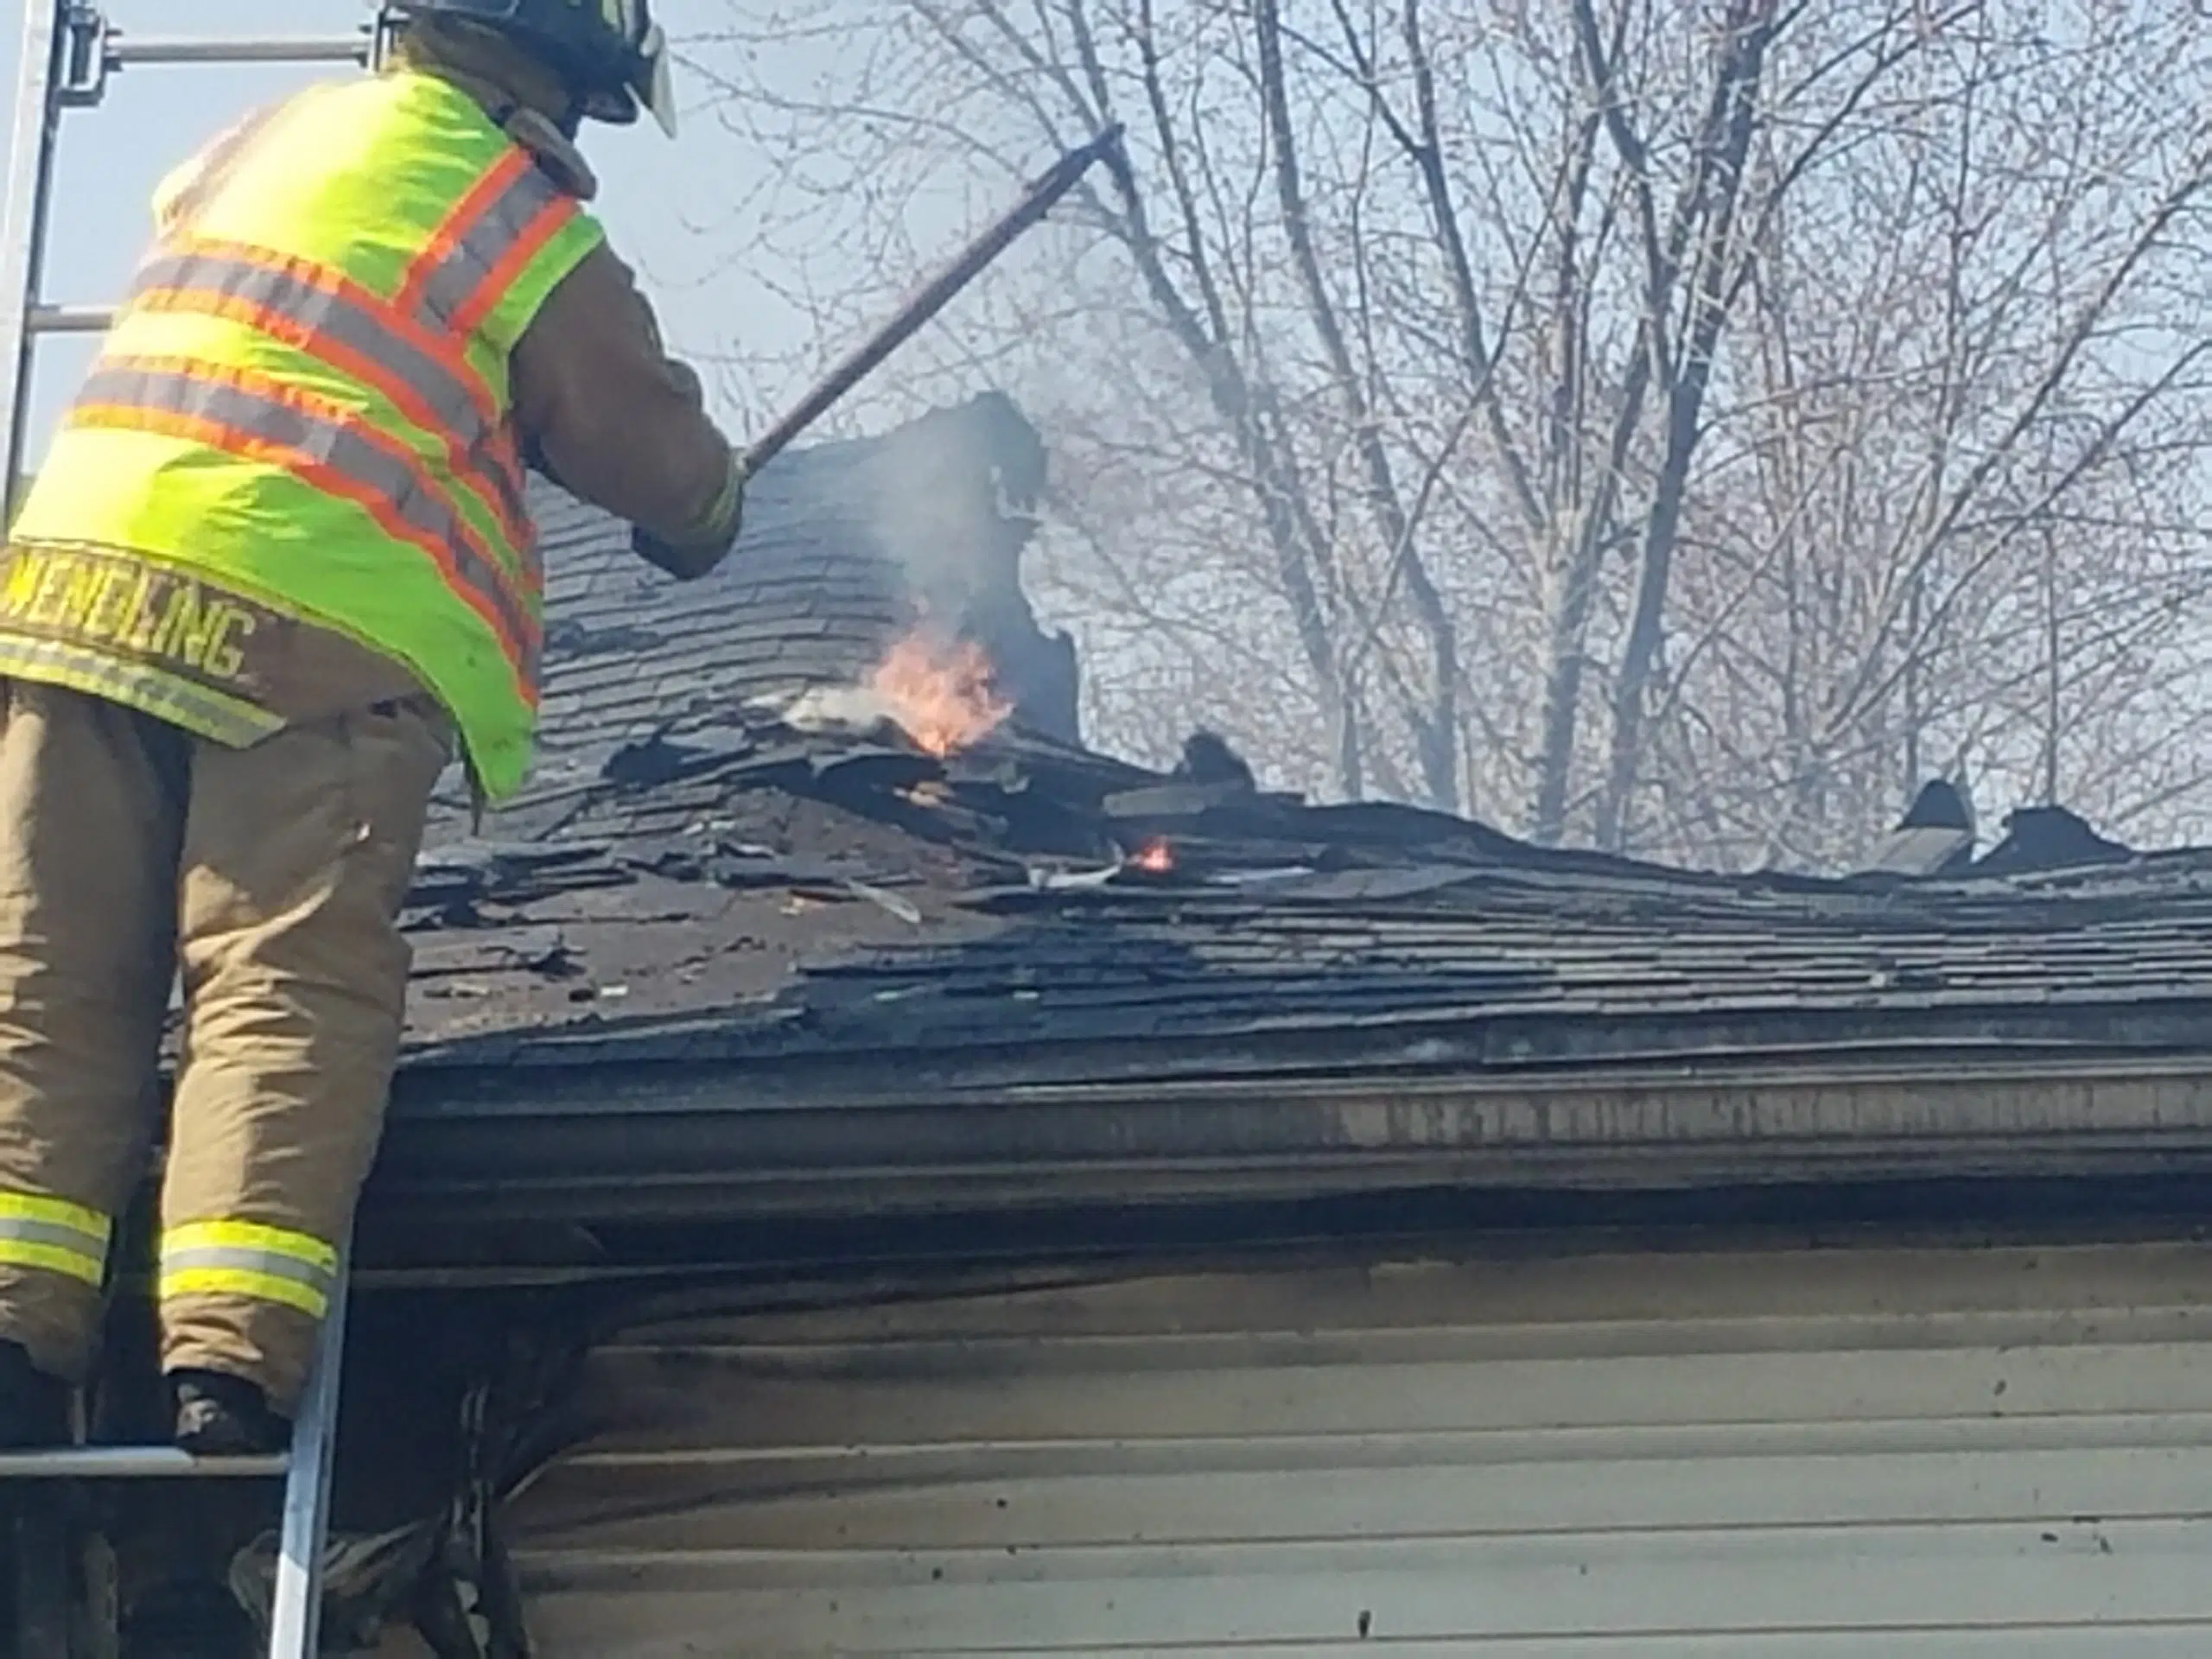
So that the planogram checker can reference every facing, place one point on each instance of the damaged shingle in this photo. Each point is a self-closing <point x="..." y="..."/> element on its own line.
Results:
<point x="459" y="876"/>
<point x="691" y="877"/>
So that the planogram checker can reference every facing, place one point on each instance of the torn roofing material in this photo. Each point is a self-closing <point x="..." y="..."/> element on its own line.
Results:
<point x="716" y="967"/>
<point x="692" y="878"/>
<point x="757" y="897"/>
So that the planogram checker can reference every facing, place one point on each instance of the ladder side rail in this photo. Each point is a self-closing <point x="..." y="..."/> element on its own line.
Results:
<point x="296" y="1617"/>
<point x="23" y="230"/>
<point x="132" y="1463"/>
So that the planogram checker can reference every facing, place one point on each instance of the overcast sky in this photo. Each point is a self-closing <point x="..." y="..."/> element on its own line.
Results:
<point x="112" y="157"/>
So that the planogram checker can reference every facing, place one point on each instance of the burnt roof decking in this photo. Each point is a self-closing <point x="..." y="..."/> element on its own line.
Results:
<point x="813" y="977"/>
<point x="793" y="898"/>
<point x="697" y="916"/>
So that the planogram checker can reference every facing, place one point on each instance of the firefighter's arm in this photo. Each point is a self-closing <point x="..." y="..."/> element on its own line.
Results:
<point x="603" y="412"/>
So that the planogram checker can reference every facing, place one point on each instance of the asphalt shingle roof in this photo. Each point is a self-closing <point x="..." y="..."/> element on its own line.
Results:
<point x="689" y="878"/>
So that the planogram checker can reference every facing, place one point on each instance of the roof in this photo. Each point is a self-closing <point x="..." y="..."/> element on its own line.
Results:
<point x="843" y="545"/>
<point x="698" y="910"/>
<point x="755" y="894"/>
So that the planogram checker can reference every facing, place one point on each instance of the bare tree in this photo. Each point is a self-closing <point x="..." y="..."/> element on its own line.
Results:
<point x="1672" y="423"/>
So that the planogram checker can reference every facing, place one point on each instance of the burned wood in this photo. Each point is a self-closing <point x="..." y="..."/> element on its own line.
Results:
<point x="705" y="883"/>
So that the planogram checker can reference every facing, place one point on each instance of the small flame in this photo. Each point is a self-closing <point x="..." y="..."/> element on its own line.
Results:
<point x="1154" y="858"/>
<point x="941" y="692"/>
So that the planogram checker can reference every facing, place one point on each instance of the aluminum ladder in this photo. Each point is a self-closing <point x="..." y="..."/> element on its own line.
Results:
<point x="295" y="1616"/>
<point x="70" y="52"/>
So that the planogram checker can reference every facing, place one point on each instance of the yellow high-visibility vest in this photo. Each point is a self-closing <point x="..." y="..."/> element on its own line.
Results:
<point x="305" y="402"/>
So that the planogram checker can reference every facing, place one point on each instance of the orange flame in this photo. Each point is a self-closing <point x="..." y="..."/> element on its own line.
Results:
<point x="1154" y="858"/>
<point x="941" y="692"/>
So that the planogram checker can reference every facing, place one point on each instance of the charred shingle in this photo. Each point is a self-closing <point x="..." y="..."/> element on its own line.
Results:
<point x="1934" y="837"/>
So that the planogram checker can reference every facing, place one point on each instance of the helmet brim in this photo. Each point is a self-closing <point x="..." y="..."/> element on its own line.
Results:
<point x="656" y="82"/>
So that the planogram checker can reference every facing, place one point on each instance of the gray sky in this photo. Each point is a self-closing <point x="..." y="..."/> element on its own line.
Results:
<point x="112" y="157"/>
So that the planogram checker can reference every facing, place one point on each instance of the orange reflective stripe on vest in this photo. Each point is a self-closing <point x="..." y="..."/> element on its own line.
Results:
<point x="320" y="312"/>
<point x="277" y="426"/>
<point x="495" y="231"/>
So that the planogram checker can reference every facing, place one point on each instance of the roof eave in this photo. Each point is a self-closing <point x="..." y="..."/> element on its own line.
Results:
<point x="672" y="1143"/>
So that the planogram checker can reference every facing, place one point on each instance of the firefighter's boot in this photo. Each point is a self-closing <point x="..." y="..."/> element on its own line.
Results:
<point x="223" y="1416"/>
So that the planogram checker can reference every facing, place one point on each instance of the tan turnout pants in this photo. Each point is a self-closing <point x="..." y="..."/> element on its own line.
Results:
<point x="270" y="877"/>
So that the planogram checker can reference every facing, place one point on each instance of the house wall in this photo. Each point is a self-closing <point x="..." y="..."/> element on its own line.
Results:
<point x="1888" y="1451"/>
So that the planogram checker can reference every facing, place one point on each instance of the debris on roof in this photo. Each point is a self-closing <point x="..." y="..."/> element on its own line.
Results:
<point x="1934" y="837"/>
<point x="2048" y="838"/>
<point x="729" y="855"/>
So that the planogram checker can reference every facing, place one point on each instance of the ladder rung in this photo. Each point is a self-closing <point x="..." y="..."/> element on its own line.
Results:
<point x="126" y="48"/>
<point x="134" y="1463"/>
<point x="71" y="319"/>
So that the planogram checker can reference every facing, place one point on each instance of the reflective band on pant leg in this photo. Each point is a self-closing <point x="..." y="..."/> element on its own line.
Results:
<point x="54" y="1235"/>
<point x="244" y="1258"/>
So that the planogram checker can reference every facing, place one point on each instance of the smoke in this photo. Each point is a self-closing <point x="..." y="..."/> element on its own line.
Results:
<point x="952" y="499"/>
<point x="930" y="522"/>
<point x="953" y="502"/>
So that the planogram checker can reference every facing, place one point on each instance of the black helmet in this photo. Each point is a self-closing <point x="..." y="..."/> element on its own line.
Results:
<point x="612" y="51"/>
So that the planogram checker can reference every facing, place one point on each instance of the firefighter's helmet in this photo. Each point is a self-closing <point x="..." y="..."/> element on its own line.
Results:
<point x="611" y="51"/>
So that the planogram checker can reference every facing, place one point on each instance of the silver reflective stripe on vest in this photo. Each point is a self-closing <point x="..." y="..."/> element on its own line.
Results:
<point x="344" y="448"/>
<point x="447" y="287"/>
<point x="329" y="314"/>
<point x="204" y="279"/>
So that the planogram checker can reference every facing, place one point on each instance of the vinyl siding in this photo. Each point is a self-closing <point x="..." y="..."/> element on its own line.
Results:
<point x="1787" y="1454"/>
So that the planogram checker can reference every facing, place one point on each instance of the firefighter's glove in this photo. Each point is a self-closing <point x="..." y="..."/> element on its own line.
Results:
<point x="704" y="546"/>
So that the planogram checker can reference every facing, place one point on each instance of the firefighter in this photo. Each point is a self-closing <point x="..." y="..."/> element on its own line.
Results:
<point x="277" y="573"/>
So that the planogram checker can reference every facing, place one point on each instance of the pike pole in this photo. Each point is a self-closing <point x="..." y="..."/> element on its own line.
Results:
<point x="1042" y="196"/>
